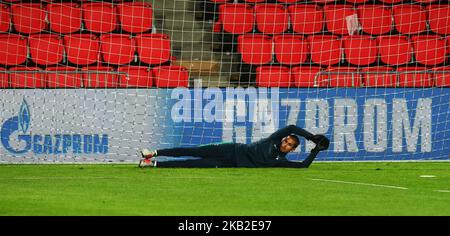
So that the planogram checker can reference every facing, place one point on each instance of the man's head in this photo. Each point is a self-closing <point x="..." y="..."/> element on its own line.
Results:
<point x="289" y="143"/>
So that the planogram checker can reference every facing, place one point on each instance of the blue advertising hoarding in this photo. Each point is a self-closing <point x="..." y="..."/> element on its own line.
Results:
<point x="111" y="125"/>
<point x="362" y="124"/>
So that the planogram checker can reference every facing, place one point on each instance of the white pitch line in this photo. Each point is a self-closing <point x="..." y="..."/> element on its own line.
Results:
<point x="359" y="183"/>
<point x="61" y="177"/>
<point x="443" y="191"/>
<point x="98" y="177"/>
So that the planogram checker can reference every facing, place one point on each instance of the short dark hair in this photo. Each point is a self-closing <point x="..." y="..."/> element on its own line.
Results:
<point x="295" y="138"/>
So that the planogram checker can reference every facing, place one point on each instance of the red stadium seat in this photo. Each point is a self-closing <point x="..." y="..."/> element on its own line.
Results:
<point x="356" y="1"/>
<point x="100" y="17"/>
<point x="375" y="19"/>
<point x="273" y="76"/>
<point x="153" y="49"/>
<point x="5" y="18"/>
<point x="115" y="1"/>
<point x="307" y="77"/>
<point x="409" y="19"/>
<point x="255" y="49"/>
<point x="253" y="1"/>
<point x="236" y="18"/>
<point x="441" y="76"/>
<point x="28" y="18"/>
<point x="291" y="49"/>
<point x="323" y="1"/>
<point x="395" y="49"/>
<point x="27" y="79"/>
<point x="336" y="16"/>
<point x="13" y="49"/>
<point x="65" y="18"/>
<point x="63" y="77"/>
<point x="82" y="49"/>
<point x="170" y="76"/>
<point x="289" y="1"/>
<point x="46" y="49"/>
<point x="343" y="76"/>
<point x="430" y="50"/>
<point x="425" y="1"/>
<point x="448" y="45"/>
<point x="438" y="19"/>
<point x="325" y="49"/>
<point x="135" y="17"/>
<point x="408" y="78"/>
<point x="137" y="77"/>
<point x="4" y="78"/>
<point x="391" y="1"/>
<point x="379" y="76"/>
<point x="118" y="49"/>
<point x="99" y="77"/>
<point x="360" y="50"/>
<point x="306" y="19"/>
<point x="271" y="18"/>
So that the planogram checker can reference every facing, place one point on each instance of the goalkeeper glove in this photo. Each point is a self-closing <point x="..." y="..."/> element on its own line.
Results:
<point x="321" y="141"/>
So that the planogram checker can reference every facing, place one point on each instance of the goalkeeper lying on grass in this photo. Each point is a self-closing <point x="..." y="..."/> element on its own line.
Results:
<point x="267" y="152"/>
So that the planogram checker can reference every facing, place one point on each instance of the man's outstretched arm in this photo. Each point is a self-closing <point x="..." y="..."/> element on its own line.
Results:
<point x="322" y="143"/>
<point x="291" y="129"/>
<point x="298" y="164"/>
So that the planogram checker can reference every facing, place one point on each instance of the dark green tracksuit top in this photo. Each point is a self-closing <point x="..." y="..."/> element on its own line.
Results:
<point x="266" y="152"/>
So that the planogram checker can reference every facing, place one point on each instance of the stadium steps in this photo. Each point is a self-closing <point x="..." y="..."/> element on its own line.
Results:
<point x="192" y="41"/>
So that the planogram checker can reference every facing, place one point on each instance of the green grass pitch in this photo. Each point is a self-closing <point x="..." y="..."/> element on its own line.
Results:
<point x="325" y="189"/>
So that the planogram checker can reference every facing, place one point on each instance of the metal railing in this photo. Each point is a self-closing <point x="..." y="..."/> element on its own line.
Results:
<point x="316" y="76"/>
<point x="397" y="73"/>
<point x="90" y="74"/>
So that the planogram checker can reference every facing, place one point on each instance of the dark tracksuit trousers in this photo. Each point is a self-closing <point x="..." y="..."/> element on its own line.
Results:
<point x="214" y="155"/>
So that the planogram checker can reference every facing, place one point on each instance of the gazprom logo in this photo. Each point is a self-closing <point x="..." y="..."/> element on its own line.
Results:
<point x="16" y="139"/>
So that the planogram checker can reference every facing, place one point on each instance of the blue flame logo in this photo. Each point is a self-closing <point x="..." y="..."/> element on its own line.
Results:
<point x="16" y="123"/>
<point x="24" y="116"/>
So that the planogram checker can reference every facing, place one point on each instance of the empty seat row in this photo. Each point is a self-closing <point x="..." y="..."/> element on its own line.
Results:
<point x="318" y="1"/>
<point x="94" y="77"/>
<point x="307" y="76"/>
<point x="85" y="49"/>
<point x="359" y="50"/>
<point x="13" y="1"/>
<point x="339" y="19"/>
<point x="65" y="18"/>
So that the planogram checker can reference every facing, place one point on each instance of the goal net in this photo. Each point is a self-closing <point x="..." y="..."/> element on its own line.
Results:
<point x="95" y="81"/>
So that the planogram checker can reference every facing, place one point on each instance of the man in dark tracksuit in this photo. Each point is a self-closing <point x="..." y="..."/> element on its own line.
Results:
<point x="267" y="152"/>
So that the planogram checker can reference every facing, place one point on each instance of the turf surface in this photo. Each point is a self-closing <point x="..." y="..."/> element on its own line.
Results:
<point x="324" y="189"/>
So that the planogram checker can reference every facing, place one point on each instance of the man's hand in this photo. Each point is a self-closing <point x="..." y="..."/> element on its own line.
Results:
<point x="321" y="141"/>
